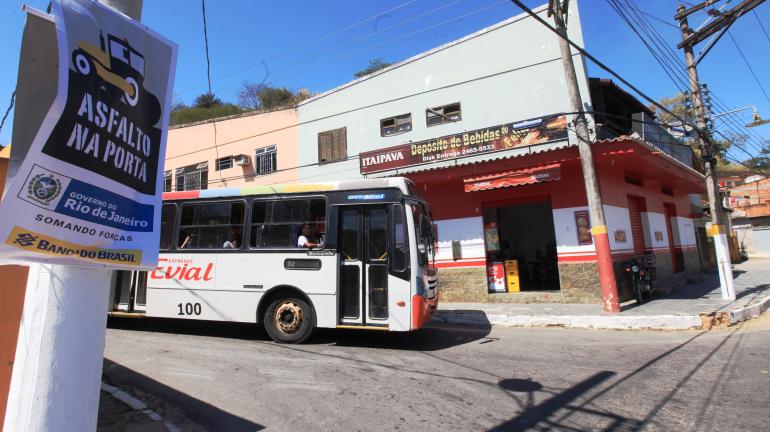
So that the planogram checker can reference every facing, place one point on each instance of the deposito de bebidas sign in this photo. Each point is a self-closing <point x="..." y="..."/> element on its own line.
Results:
<point x="88" y="192"/>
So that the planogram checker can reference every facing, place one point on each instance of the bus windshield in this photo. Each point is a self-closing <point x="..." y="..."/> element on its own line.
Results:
<point x="423" y="229"/>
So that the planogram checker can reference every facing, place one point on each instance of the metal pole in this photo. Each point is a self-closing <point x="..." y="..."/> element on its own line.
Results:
<point x="58" y="365"/>
<point x="607" y="281"/>
<point x="717" y="231"/>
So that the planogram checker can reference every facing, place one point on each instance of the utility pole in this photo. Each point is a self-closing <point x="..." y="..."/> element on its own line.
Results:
<point x="609" y="288"/>
<point x="689" y="39"/>
<point x="58" y="365"/>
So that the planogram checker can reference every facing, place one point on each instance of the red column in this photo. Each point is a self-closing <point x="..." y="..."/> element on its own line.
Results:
<point x="606" y="272"/>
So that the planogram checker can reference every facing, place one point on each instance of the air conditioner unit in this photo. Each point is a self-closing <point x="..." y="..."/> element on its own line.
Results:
<point x="242" y="160"/>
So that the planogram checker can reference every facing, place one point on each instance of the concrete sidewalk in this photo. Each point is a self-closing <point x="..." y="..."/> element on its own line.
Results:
<point x="697" y="305"/>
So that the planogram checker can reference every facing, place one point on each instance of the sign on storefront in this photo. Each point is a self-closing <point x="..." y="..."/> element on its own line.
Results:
<point x="88" y="190"/>
<point x="503" y="137"/>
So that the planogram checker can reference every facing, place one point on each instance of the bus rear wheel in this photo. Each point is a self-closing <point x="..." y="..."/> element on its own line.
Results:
<point x="289" y="320"/>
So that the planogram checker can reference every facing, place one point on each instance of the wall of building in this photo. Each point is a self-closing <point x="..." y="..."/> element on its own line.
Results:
<point x="193" y="144"/>
<point x="505" y="73"/>
<point x="749" y="194"/>
<point x="615" y="191"/>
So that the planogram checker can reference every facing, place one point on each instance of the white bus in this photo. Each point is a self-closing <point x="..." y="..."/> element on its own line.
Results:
<point x="350" y="254"/>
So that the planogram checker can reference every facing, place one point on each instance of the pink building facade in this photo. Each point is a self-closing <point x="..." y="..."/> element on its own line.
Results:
<point x="248" y="149"/>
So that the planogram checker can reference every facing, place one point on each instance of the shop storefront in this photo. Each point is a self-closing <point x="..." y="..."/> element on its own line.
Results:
<point x="515" y="227"/>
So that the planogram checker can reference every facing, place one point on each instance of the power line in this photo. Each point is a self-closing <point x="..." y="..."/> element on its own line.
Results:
<point x="340" y="46"/>
<point x="658" y="58"/>
<point x="208" y="76"/>
<point x="8" y="111"/>
<point x="745" y="60"/>
<point x="606" y="68"/>
<point x="523" y="7"/>
<point x="761" y="25"/>
<point x="655" y="18"/>
<point x="395" y="99"/>
<point x="673" y="70"/>
<point x="733" y="119"/>
<point x="474" y="79"/>
<point x="354" y="157"/>
<point x="305" y="44"/>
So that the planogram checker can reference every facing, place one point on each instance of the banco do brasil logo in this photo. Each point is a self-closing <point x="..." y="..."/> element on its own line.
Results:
<point x="43" y="188"/>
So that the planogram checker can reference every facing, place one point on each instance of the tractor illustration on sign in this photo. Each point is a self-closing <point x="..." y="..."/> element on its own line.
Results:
<point x="117" y="64"/>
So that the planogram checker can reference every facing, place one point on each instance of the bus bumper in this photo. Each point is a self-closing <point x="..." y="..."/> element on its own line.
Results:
<point x="422" y="310"/>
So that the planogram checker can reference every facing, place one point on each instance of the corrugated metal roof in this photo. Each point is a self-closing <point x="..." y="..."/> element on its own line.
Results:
<point x="505" y="154"/>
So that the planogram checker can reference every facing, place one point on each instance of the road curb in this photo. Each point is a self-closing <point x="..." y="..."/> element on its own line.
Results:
<point x="138" y="405"/>
<point x="750" y="311"/>
<point x="656" y="322"/>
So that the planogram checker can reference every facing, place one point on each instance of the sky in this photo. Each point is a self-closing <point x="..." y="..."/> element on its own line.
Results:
<point x="320" y="44"/>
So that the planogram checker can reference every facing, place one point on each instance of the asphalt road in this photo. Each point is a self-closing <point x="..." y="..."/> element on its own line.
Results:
<point x="231" y="377"/>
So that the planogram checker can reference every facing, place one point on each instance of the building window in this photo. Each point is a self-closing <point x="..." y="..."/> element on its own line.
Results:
<point x="634" y="181"/>
<point x="167" y="181"/>
<point x="192" y="177"/>
<point x="224" y="163"/>
<point x="333" y="145"/>
<point x="216" y="225"/>
<point x="395" y="125"/>
<point x="280" y="223"/>
<point x="443" y="114"/>
<point x="266" y="160"/>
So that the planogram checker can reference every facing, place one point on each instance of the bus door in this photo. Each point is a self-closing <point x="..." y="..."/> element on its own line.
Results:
<point x="130" y="291"/>
<point x="363" y="251"/>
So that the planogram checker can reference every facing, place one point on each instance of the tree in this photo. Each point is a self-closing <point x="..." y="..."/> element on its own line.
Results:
<point x="275" y="97"/>
<point x="676" y="104"/>
<point x="262" y="96"/>
<point x="248" y="95"/>
<point x="207" y="100"/>
<point x="178" y="106"/>
<point x="375" y="64"/>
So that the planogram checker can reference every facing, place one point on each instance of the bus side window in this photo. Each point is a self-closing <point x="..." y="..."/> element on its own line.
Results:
<point x="167" y="219"/>
<point x="278" y="223"/>
<point x="217" y="225"/>
<point x="400" y="258"/>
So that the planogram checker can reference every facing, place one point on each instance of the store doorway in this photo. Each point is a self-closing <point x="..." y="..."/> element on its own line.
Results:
<point x="526" y="242"/>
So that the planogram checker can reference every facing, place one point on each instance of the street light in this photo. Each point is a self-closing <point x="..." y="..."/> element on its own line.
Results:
<point x="756" y="119"/>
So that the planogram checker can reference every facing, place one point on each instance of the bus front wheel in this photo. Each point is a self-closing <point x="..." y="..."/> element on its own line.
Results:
<point x="289" y="320"/>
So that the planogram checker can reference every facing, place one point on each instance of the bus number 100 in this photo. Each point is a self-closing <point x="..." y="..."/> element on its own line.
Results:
<point x="189" y="308"/>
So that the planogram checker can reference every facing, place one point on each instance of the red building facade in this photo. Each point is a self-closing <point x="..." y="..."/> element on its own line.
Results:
<point x="516" y="229"/>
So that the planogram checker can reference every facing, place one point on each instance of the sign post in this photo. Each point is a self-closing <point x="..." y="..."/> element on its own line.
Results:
<point x="85" y="200"/>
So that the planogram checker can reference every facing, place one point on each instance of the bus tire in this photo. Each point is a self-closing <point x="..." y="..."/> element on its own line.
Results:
<point x="289" y="320"/>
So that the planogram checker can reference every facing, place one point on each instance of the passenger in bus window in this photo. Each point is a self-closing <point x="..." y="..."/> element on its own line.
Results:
<point x="232" y="241"/>
<point x="187" y="242"/>
<point x="306" y="240"/>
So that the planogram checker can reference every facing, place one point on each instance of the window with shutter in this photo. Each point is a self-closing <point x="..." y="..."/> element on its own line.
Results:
<point x="324" y="146"/>
<point x="332" y="145"/>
